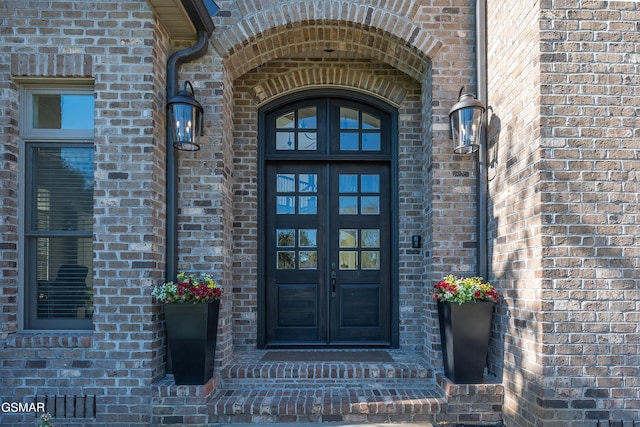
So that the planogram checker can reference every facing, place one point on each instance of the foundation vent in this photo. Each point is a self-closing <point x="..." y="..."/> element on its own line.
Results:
<point x="68" y="406"/>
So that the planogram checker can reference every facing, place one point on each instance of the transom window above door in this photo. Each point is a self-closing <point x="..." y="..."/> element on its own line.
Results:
<point x="359" y="131"/>
<point x="297" y="130"/>
<point x="353" y="129"/>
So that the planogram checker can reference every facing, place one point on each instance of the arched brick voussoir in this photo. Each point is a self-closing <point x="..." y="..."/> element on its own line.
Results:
<point x="400" y="7"/>
<point x="301" y="79"/>
<point x="296" y="27"/>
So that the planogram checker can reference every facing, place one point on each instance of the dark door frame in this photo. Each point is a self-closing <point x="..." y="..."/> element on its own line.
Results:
<point x="393" y="159"/>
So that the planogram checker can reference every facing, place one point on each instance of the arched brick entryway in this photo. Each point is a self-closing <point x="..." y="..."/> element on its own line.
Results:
<point x="276" y="50"/>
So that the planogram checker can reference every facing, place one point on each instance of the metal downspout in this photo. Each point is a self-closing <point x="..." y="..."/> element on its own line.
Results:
<point x="482" y="183"/>
<point x="175" y="60"/>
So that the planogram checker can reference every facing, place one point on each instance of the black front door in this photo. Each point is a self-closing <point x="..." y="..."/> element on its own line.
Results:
<point x="327" y="220"/>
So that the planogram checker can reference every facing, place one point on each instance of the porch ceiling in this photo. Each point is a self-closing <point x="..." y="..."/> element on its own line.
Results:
<point x="172" y="14"/>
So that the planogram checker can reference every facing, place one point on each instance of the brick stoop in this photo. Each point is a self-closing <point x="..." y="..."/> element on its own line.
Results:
<point x="405" y="390"/>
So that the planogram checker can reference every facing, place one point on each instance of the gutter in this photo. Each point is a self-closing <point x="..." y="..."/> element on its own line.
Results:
<point x="200" y="16"/>
<point x="482" y="183"/>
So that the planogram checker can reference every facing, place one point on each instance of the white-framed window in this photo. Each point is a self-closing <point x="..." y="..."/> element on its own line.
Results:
<point x="56" y="129"/>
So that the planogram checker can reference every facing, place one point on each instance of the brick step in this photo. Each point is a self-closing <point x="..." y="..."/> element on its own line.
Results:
<point x="248" y="370"/>
<point x="366" y="404"/>
<point x="324" y="374"/>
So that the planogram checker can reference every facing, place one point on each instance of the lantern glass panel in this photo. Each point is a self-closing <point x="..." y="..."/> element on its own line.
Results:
<point x="466" y="126"/>
<point x="186" y="125"/>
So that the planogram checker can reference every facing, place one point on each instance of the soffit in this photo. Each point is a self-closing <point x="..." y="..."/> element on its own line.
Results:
<point x="175" y="18"/>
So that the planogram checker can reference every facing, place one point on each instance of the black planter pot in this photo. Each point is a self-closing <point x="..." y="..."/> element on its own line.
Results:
<point x="464" y="331"/>
<point x="191" y="334"/>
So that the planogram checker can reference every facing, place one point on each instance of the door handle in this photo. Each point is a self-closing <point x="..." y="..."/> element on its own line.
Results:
<point x="333" y="283"/>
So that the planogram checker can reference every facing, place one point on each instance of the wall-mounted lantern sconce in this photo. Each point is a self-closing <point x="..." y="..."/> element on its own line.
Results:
<point x="466" y="122"/>
<point x="184" y="115"/>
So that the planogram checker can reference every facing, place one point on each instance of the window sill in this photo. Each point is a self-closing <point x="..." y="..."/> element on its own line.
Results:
<point x="39" y="339"/>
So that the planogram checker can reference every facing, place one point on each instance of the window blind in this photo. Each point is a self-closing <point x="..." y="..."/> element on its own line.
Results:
<point x="60" y="232"/>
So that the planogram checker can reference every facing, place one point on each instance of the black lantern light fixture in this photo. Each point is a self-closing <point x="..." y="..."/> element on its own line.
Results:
<point x="184" y="115"/>
<point x="466" y="123"/>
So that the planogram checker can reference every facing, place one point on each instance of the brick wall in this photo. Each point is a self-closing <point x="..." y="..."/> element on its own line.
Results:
<point x="9" y="156"/>
<point x="119" y="46"/>
<point x="413" y="55"/>
<point x="514" y="229"/>
<point x="590" y="86"/>
<point x="564" y="197"/>
<point x="205" y="210"/>
<point x="563" y="144"/>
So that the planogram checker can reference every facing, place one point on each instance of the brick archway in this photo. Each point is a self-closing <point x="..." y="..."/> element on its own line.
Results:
<point x="387" y="35"/>
<point x="329" y="76"/>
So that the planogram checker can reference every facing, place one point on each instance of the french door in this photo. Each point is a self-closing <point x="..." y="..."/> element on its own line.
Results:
<point x="327" y="225"/>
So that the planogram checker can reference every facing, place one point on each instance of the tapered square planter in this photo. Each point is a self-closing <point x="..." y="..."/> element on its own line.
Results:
<point x="191" y="334"/>
<point x="464" y="331"/>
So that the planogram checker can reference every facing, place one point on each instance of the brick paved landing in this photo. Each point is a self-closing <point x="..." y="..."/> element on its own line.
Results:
<point x="248" y="370"/>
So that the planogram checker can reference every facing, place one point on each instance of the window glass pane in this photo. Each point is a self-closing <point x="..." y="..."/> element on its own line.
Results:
<point x="307" y="118"/>
<point x="348" y="260"/>
<point x="348" y="238"/>
<point x="348" y="205"/>
<point x="370" y="183"/>
<point x="371" y="142"/>
<point x="348" y="183"/>
<point x="64" y="277"/>
<point x="308" y="205"/>
<point x="370" y="122"/>
<point x="62" y="189"/>
<point x="348" y="118"/>
<point x="308" y="238"/>
<point x="370" y="238"/>
<point x="47" y="112"/>
<point x="308" y="260"/>
<point x="286" y="121"/>
<point x="370" y="205"/>
<point x="370" y="260"/>
<point x="286" y="260"/>
<point x="285" y="141"/>
<point x="59" y="186"/>
<point x="285" y="205"/>
<point x="349" y="141"/>
<point x="286" y="183"/>
<point x="307" y="141"/>
<point x="308" y="183"/>
<point x="60" y="111"/>
<point x="286" y="237"/>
